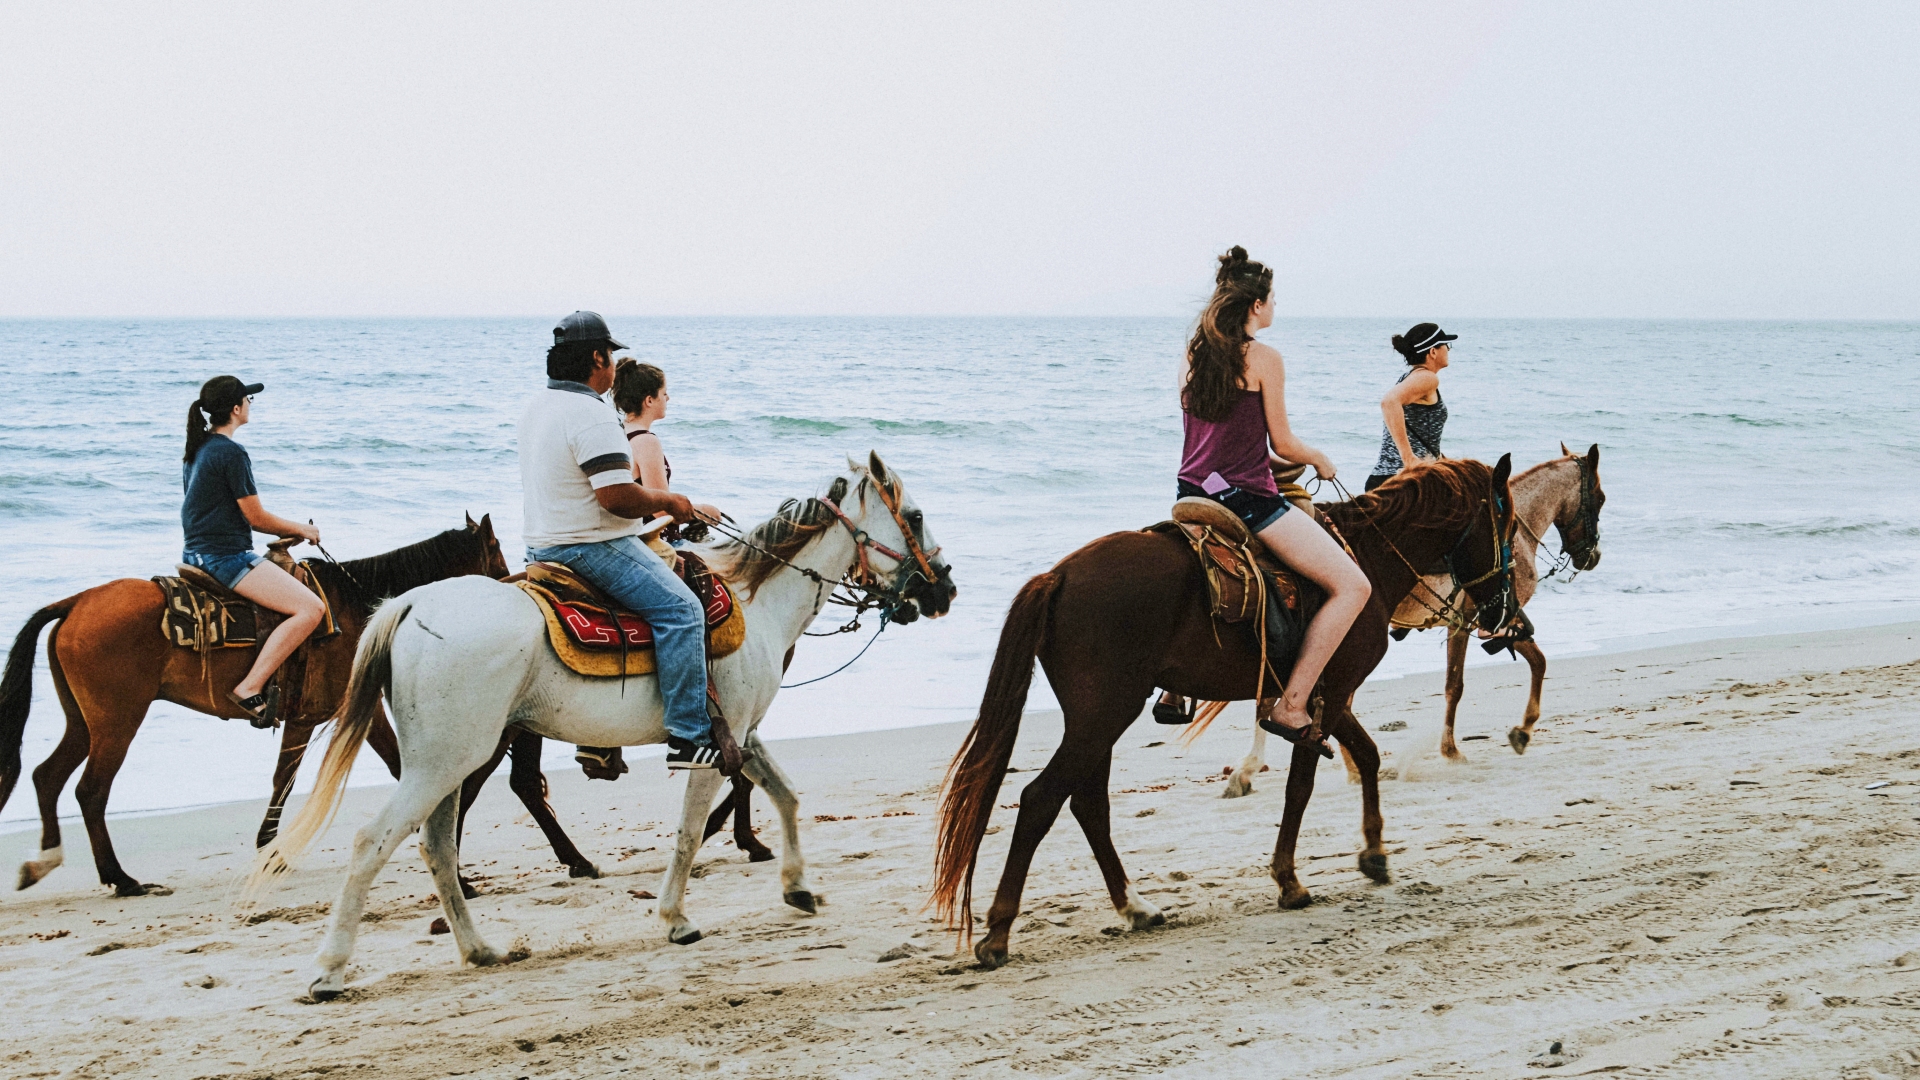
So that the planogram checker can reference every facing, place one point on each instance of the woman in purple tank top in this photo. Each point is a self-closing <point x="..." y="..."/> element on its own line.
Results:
<point x="1232" y="392"/>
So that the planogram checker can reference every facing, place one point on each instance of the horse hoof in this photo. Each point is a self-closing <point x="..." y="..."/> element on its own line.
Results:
<point x="691" y="937"/>
<point x="467" y="890"/>
<point x="1237" y="788"/>
<point x="1295" y="898"/>
<point x="1374" y="865"/>
<point x="31" y="874"/>
<point x="134" y="888"/>
<point x="483" y="957"/>
<point x="586" y="870"/>
<point x="1146" y="920"/>
<point x="1518" y="739"/>
<point x="762" y="855"/>
<point x="802" y="900"/>
<point x="327" y="987"/>
<point x="989" y="957"/>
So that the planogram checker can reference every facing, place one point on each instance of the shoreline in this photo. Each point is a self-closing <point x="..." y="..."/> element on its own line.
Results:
<point x="1478" y="665"/>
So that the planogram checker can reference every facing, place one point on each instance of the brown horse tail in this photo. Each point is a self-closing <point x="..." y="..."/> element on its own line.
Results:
<point x="973" y="779"/>
<point x="16" y="692"/>
<point x="372" y="674"/>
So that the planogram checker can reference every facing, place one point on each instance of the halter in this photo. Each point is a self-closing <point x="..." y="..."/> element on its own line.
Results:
<point x="1587" y="518"/>
<point x="864" y="542"/>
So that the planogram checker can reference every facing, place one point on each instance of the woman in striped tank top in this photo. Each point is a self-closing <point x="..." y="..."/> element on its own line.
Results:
<point x="1232" y="394"/>
<point x="1413" y="411"/>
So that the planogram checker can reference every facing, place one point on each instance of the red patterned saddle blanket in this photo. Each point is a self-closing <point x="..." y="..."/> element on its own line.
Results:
<point x="594" y="636"/>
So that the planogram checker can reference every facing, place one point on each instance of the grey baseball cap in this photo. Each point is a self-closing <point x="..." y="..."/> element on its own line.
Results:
<point x="584" y="326"/>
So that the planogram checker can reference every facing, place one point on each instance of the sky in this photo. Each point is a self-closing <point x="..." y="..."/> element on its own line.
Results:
<point x="1439" y="160"/>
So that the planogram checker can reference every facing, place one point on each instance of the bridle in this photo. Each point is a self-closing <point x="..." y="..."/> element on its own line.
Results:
<point x="1449" y="612"/>
<point x="1587" y="520"/>
<point x="864" y="542"/>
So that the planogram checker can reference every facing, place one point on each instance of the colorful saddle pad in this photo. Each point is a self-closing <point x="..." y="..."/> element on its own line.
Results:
<point x="592" y="639"/>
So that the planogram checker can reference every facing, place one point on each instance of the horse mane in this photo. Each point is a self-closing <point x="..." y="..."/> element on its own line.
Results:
<point x="1543" y="465"/>
<point x="366" y="582"/>
<point x="1433" y="495"/>
<point x="772" y="543"/>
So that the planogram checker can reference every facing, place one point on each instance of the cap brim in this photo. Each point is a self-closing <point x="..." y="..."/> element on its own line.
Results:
<point x="253" y="388"/>
<point x="615" y="344"/>
<point x="1444" y="338"/>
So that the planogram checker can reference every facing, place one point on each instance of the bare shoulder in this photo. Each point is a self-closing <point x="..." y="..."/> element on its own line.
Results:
<point x="1264" y="364"/>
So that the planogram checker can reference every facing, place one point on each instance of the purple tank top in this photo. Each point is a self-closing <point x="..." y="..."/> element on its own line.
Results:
<point x="1235" y="448"/>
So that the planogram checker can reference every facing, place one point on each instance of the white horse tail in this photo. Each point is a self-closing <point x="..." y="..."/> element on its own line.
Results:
<point x="372" y="677"/>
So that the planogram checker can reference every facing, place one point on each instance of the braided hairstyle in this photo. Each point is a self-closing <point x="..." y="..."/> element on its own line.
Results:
<point x="1217" y="352"/>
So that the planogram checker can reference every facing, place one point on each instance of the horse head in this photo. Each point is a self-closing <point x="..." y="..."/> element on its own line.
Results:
<point x="1482" y="559"/>
<point x="491" y="561"/>
<point x="896" y="534"/>
<point x="1578" y="518"/>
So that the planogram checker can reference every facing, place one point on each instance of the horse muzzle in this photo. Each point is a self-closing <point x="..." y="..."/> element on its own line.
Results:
<point x="930" y="598"/>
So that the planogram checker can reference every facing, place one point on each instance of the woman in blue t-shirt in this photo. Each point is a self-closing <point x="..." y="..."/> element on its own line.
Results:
<point x="220" y="515"/>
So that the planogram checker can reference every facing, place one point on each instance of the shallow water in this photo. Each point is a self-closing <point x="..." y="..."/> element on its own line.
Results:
<point x="1759" y="475"/>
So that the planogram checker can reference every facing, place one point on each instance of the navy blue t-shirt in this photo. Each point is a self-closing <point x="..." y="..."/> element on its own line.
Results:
<point x="217" y="478"/>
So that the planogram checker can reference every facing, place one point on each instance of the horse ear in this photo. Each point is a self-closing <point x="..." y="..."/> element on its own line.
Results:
<point x="472" y="524"/>
<point x="486" y="523"/>
<point x="1593" y="455"/>
<point x="854" y="465"/>
<point x="1503" y="470"/>
<point x="1564" y="452"/>
<point x="878" y="467"/>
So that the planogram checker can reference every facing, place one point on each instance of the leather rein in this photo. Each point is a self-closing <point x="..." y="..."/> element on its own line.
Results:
<point x="1449" y="611"/>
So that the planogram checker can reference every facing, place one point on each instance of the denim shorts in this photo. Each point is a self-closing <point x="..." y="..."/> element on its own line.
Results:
<point x="226" y="569"/>
<point x="1256" y="511"/>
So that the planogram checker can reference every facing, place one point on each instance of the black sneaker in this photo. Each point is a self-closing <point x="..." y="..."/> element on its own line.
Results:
<point x="685" y="754"/>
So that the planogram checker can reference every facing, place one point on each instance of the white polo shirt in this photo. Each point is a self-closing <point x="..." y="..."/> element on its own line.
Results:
<point x="570" y="444"/>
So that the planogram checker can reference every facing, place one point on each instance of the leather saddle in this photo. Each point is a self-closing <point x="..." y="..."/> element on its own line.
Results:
<point x="593" y="635"/>
<point x="1238" y="569"/>
<point x="201" y="614"/>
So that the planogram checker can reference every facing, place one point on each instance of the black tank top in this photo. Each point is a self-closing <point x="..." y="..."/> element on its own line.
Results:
<point x="671" y="534"/>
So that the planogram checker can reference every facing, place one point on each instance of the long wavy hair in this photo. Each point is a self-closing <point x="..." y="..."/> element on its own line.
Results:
<point x="1217" y="352"/>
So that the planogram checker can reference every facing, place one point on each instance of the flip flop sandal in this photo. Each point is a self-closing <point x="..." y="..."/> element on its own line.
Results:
<point x="600" y="762"/>
<point x="1166" y="712"/>
<point x="262" y="709"/>
<point x="1296" y="736"/>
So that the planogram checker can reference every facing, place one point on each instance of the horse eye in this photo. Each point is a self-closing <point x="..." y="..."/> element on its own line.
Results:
<point x="914" y="517"/>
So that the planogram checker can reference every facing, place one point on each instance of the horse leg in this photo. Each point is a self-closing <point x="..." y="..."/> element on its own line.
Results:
<point x="294" y="737"/>
<point x="1519" y="737"/>
<point x="1241" y="782"/>
<point x="1091" y="808"/>
<point x="738" y="805"/>
<point x="49" y="779"/>
<point x="373" y="845"/>
<point x="763" y="770"/>
<point x="1364" y="757"/>
<point x="1040" y="803"/>
<point x="1456" y="685"/>
<point x="718" y="819"/>
<point x="104" y="759"/>
<point x="380" y="740"/>
<point x="469" y="791"/>
<point x="701" y="785"/>
<point x="1306" y="760"/>
<point x="528" y="782"/>
<point x="440" y="849"/>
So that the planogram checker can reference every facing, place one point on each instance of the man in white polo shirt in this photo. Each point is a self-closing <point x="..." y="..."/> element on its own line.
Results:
<point x="584" y="509"/>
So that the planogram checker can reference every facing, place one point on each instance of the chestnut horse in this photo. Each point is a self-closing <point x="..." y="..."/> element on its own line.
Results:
<point x="1129" y="612"/>
<point x="110" y="663"/>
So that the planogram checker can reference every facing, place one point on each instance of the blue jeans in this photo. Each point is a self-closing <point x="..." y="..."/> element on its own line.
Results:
<point x="226" y="569"/>
<point x="632" y="574"/>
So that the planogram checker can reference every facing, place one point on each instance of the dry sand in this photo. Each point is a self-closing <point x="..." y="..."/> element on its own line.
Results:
<point x="1690" y="873"/>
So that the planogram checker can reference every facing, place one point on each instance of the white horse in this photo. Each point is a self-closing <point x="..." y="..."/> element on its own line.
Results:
<point x="460" y="660"/>
<point x="1563" y="492"/>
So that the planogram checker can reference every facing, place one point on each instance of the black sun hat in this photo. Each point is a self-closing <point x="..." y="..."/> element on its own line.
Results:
<point x="226" y="392"/>
<point x="1420" y="338"/>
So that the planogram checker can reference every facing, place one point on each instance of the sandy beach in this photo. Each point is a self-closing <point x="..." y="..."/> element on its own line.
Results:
<point x="1703" y="867"/>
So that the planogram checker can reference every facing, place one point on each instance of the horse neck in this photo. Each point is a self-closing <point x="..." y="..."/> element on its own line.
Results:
<point x="1540" y="497"/>
<point x="397" y="571"/>
<point x="1390" y="574"/>
<point x="791" y="600"/>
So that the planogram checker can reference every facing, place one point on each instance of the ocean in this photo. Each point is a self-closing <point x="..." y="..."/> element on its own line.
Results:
<point x="1759" y="474"/>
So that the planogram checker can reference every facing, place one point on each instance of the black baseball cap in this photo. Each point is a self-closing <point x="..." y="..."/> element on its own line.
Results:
<point x="226" y="391"/>
<point x="584" y="326"/>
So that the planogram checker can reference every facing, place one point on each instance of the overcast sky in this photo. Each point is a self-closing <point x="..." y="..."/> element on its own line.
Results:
<point x="1440" y="160"/>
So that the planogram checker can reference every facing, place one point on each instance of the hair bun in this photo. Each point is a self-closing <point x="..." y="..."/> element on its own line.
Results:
<point x="1236" y="264"/>
<point x="1399" y="344"/>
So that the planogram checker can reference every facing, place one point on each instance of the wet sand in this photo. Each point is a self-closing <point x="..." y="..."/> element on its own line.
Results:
<point x="1691" y="872"/>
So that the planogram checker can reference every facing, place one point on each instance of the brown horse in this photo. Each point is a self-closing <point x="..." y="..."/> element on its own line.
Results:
<point x="110" y="663"/>
<point x="1129" y="612"/>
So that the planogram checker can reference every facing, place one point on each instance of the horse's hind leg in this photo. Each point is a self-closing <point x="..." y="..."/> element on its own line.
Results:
<point x="1306" y="761"/>
<point x="373" y="845"/>
<point x="701" y="785"/>
<point x="104" y="758"/>
<point x="440" y="849"/>
<point x="1456" y="686"/>
<point x="1519" y="737"/>
<point x="49" y="779"/>
<point x="528" y="782"/>
<point x="763" y="770"/>
<point x="294" y="738"/>
<point x="1365" y="758"/>
<point x="738" y="806"/>
<point x="1040" y="803"/>
<point x="469" y="791"/>
<point x="1093" y="811"/>
<point x="1241" y="782"/>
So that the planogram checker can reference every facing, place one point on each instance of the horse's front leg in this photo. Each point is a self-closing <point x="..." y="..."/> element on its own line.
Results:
<point x="701" y="785"/>
<point x="764" y="771"/>
<point x="1519" y="737"/>
<point x="1456" y="686"/>
<point x="1306" y="761"/>
<point x="1364" y="759"/>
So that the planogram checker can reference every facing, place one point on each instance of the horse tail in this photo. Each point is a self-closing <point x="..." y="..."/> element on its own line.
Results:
<point x="973" y="779"/>
<point x="372" y="677"/>
<point x="16" y="692"/>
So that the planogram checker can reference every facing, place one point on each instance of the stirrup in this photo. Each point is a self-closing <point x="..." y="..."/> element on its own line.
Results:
<point x="600" y="762"/>
<point x="1296" y="736"/>
<point x="1166" y="712"/>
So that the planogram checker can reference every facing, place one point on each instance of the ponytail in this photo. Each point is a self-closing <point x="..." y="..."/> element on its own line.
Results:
<point x="197" y="431"/>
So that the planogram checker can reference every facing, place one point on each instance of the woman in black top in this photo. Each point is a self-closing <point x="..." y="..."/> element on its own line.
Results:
<point x="1414" y="414"/>
<point x="220" y="514"/>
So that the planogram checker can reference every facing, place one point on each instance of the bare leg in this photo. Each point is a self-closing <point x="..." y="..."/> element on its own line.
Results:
<point x="1302" y="544"/>
<point x="1519" y="737"/>
<point x="1456" y="686"/>
<point x="272" y="587"/>
<point x="763" y="770"/>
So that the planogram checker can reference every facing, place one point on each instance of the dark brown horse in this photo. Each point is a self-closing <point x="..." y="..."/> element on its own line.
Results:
<point x="110" y="663"/>
<point x="1129" y="612"/>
